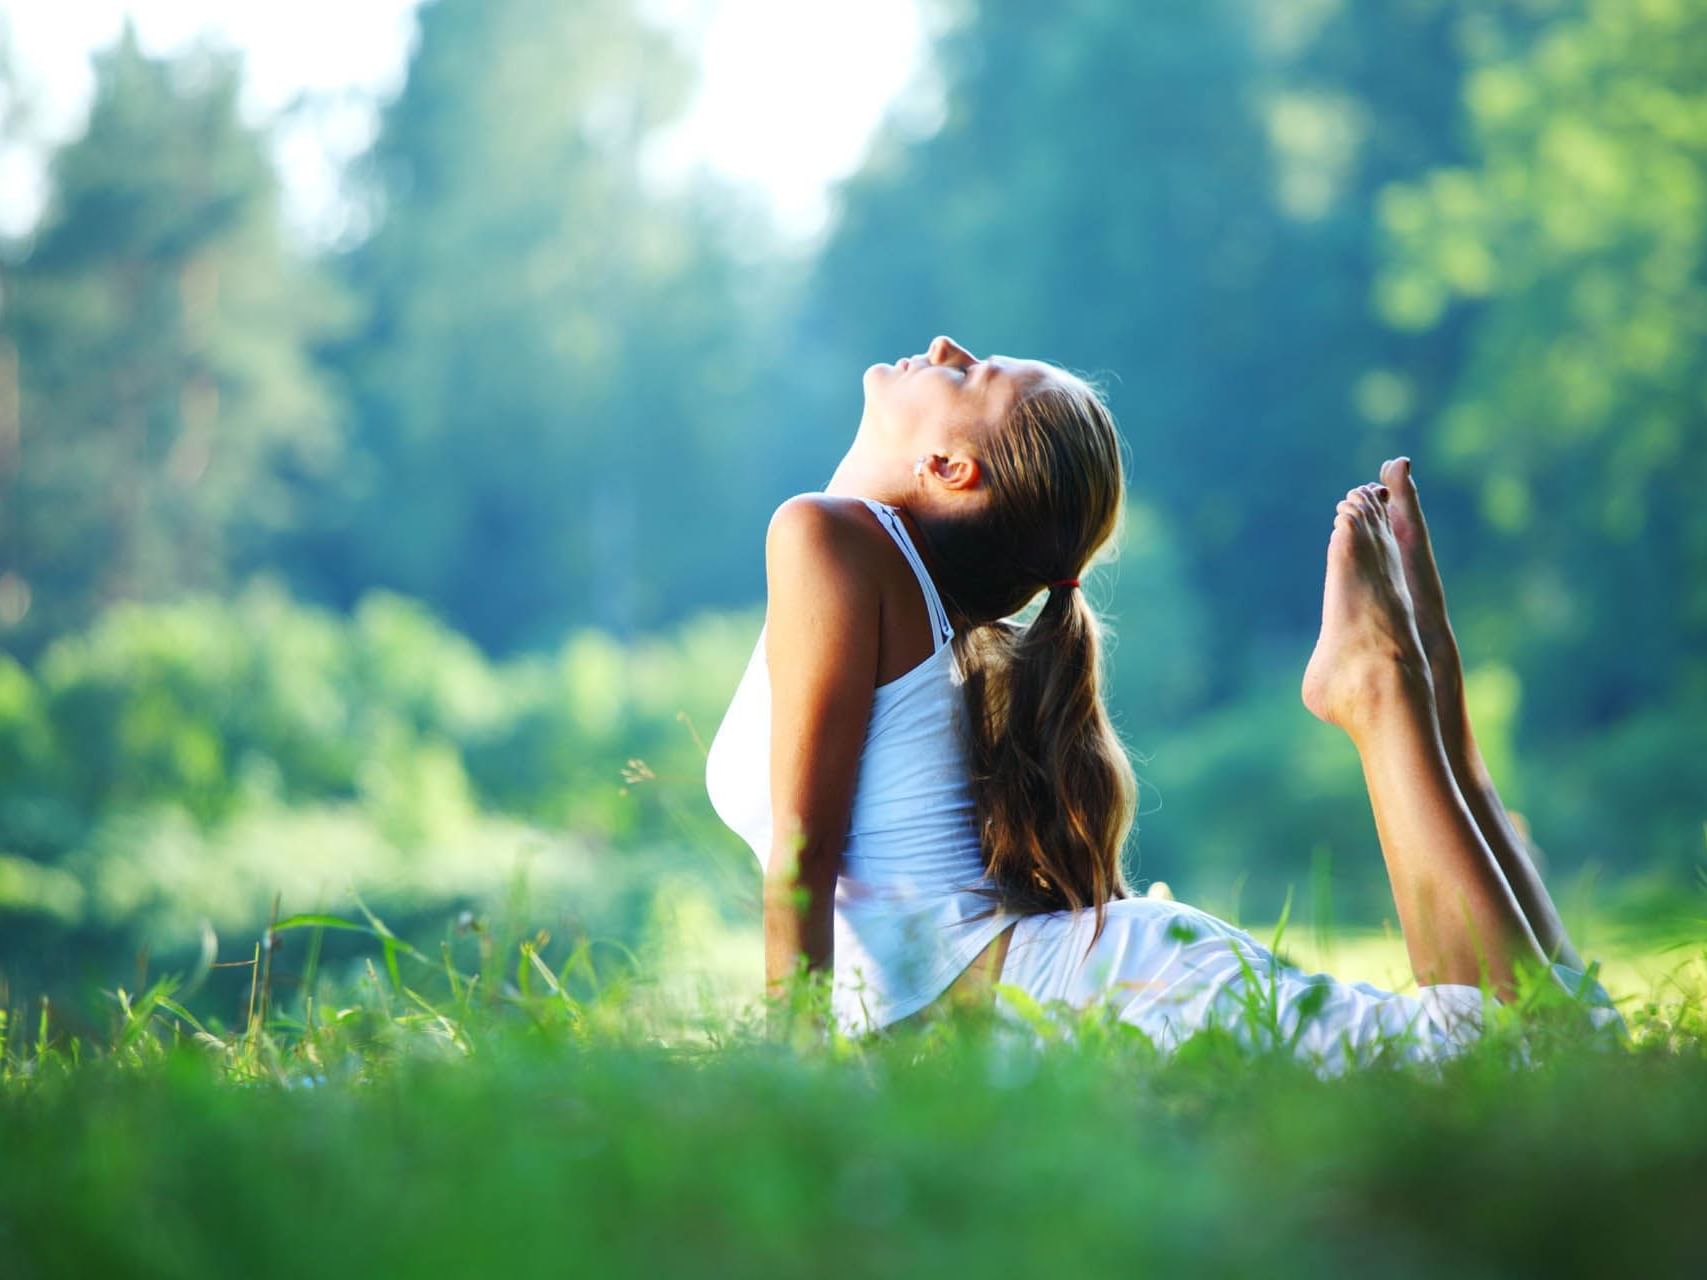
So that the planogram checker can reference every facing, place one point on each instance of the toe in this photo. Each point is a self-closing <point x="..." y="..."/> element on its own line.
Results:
<point x="1372" y="502"/>
<point x="1395" y="473"/>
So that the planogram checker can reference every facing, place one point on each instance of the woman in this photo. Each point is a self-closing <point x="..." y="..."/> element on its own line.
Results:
<point x="939" y="799"/>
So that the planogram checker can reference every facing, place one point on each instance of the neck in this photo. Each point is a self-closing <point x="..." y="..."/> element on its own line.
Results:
<point x="860" y="475"/>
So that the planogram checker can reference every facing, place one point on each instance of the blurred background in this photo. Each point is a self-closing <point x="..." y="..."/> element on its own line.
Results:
<point x="393" y="397"/>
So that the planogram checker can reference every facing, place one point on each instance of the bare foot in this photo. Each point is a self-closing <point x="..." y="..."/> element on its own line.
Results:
<point x="1369" y="631"/>
<point x="1427" y="598"/>
<point x="1422" y="576"/>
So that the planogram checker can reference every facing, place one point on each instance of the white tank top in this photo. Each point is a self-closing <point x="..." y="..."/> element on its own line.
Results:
<point x="904" y="902"/>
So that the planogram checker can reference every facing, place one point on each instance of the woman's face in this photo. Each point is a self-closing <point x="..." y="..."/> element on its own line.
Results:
<point x="946" y="397"/>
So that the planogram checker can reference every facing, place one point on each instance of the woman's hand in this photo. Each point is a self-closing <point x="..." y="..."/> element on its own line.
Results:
<point x="798" y="1011"/>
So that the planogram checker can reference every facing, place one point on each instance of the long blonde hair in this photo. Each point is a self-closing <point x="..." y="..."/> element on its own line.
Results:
<point x="1055" y="792"/>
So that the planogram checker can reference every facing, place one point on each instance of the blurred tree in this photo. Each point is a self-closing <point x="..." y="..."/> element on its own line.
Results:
<point x="548" y="377"/>
<point x="1575" y="236"/>
<point x="155" y="387"/>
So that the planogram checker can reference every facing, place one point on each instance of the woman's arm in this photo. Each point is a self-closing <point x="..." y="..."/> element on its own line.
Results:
<point x="821" y="648"/>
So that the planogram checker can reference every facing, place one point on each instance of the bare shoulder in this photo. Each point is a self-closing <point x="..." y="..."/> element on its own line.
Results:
<point x="816" y="516"/>
<point x="823" y="589"/>
<point x="828" y="534"/>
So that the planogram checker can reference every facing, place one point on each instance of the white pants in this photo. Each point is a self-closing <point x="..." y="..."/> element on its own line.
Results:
<point x="1172" y="970"/>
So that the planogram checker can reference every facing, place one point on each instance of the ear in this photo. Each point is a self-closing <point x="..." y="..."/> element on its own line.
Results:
<point x="956" y="471"/>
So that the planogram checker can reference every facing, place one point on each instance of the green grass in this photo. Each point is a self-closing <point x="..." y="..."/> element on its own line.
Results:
<point x="517" y="1108"/>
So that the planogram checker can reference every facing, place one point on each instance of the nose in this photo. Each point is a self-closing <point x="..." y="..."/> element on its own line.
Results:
<point x="945" y="350"/>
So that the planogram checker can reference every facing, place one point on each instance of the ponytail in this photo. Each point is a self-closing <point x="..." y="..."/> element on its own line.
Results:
<point x="1054" y="790"/>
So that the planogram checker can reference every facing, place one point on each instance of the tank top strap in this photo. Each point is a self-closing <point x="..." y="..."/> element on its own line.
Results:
<point x="890" y="519"/>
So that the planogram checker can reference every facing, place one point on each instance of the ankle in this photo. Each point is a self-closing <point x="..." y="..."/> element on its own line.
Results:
<point x="1393" y="692"/>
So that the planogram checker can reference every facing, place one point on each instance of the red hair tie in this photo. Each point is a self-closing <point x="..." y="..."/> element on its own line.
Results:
<point x="1064" y="582"/>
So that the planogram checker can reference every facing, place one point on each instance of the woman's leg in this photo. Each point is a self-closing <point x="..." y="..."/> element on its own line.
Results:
<point x="1369" y="675"/>
<point x="1446" y="670"/>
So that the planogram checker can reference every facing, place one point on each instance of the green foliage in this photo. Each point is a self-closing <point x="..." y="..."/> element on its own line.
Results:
<point x="188" y="761"/>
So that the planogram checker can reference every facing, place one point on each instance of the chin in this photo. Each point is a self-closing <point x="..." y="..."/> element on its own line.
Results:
<point x="877" y="378"/>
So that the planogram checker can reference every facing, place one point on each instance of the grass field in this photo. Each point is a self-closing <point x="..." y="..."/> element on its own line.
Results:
<point x="528" y="1115"/>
